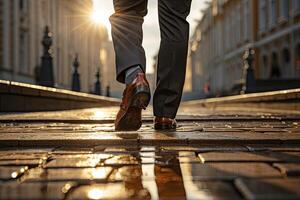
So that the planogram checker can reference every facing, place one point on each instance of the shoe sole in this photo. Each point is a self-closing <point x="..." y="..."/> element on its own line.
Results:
<point x="132" y="119"/>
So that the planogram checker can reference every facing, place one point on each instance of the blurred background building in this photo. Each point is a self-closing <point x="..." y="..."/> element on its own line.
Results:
<point x="228" y="28"/>
<point x="215" y="65"/>
<point x="109" y="71"/>
<point x="22" y="24"/>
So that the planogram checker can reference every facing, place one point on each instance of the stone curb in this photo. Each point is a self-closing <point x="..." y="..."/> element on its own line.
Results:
<point x="276" y="96"/>
<point x="22" y="97"/>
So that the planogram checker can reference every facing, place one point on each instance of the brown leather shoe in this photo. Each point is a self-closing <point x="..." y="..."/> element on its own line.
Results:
<point x="164" y="123"/>
<point x="136" y="97"/>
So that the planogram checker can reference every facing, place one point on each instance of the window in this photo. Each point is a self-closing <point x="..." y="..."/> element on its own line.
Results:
<point x="264" y="67"/>
<point x="23" y="51"/>
<point x="297" y="5"/>
<point x="298" y="57"/>
<point x="262" y="15"/>
<point x="218" y="38"/>
<point x="286" y="67"/>
<point x="227" y="32"/>
<point x="23" y="5"/>
<point x="265" y="60"/>
<point x="235" y="26"/>
<point x="275" y="69"/>
<point x="272" y="13"/>
<point x="247" y="22"/>
<point x="286" y="56"/>
<point x="232" y="27"/>
<point x="284" y="8"/>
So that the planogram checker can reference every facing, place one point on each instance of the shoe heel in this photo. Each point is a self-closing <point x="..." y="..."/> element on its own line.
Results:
<point x="141" y="97"/>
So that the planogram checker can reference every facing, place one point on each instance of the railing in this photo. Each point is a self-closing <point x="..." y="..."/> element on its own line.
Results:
<point x="45" y="76"/>
<point x="250" y="84"/>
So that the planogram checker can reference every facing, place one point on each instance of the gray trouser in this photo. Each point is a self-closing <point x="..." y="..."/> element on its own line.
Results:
<point x="127" y="37"/>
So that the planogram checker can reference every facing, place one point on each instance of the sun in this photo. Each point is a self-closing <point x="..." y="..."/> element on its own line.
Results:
<point x="100" y="15"/>
<point x="99" y="18"/>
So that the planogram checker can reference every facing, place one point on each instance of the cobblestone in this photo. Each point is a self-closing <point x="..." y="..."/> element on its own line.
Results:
<point x="9" y="155"/>
<point x="249" y="156"/>
<point x="214" y="154"/>
<point x="122" y="160"/>
<point x="66" y="174"/>
<point x="31" y="191"/>
<point x="228" y="171"/>
<point x="110" y="191"/>
<point x="210" y="190"/>
<point x="269" y="188"/>
<point x="83" y="162"/>
<point x="273" y="148"/>
<point x="205" y="148"/>
<point x="31" y="163"/>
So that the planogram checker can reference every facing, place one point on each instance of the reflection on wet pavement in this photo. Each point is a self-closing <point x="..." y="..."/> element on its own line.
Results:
<point x="142" y="173"/>
<point x="125" y="176"/>
<point x="212" y="155"/>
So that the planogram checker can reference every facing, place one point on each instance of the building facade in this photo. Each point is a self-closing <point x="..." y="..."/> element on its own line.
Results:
<point x="22" y="24"/>
<point x="229" y="27"/>
<point x="108" y="78"/>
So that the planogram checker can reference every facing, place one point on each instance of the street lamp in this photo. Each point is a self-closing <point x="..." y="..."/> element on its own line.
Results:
<point x="76" y="76"/>
<point x="47" y="76"/>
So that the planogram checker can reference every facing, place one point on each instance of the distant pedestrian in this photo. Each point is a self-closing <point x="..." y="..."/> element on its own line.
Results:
<point x="127" y="35"/>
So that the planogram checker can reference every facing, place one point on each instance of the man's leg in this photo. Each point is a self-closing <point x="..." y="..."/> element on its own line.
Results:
<point x="172" y="56"/>
<point x="127" y="35"/>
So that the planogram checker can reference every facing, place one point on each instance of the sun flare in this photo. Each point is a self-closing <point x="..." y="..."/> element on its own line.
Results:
<point x="100" y="15"/>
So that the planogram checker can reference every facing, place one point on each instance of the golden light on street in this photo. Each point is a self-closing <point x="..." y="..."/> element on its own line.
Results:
<point x="100" y="14"/>
<point x="95" y="193"/>
<point x="99" y="114"/>
<point x="99" y="173"/>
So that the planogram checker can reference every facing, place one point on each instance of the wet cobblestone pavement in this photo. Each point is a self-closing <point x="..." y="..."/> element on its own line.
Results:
<point x="214" y="154"/>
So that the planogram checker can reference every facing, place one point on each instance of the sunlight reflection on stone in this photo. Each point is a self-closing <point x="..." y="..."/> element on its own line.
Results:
<point x="148" y="182"/>
<point x="101" y="191"/>
<point x="67" y="187"/>
<point x="95" y="193"/>
<point x="99" y="173"/>
<point x="18" y="173"/>
<point x="14" y="174"/>
<point x="99" y="115"/>
<point x="192" y="190"/>
<point x="89" y="162"/>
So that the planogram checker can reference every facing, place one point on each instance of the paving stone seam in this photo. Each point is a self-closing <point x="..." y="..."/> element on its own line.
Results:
<point x="111" y="121"/>
<point x="149" y="142"/>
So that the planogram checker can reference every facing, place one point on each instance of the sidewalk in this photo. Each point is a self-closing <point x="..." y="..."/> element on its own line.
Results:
<point x="217" y="152"/>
